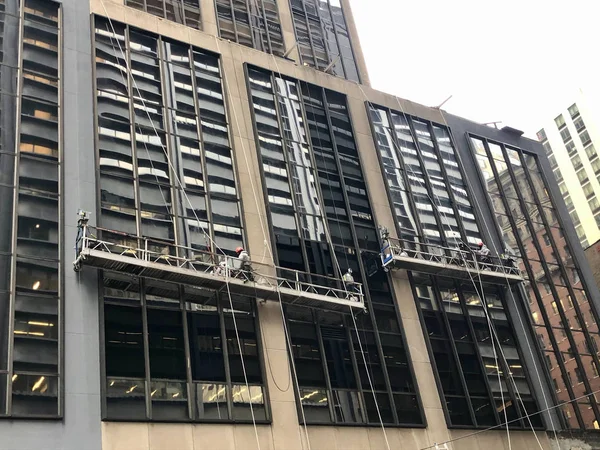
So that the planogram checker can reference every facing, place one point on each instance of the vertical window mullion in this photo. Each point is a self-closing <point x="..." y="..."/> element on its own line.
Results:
<point x="359" y="259"/>
<point x="564" y="274"/>
<point x="325" y="370"/>
<point x="548" y="277"/>
<point x="535" y="289"/>
<point x="211" y="231"/>
<point x="225" y="350"/>
<point x="147" y="380"/>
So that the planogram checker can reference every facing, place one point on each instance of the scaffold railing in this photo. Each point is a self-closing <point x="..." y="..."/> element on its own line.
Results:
<point x="153" y="258"/>
<point x="449" y="261"/>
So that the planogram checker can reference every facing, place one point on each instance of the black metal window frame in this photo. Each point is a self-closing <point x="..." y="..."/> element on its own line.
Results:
<point x="211" y="152"/>
<point x="441" y="225"/>
<point x="548" y="208"/>
<point x="234" y="396"/>
<point x="370" y="323"/>
<point x="426" y="182"/>
<point x="470" y="312"/>
<point x="185" y="12"/>
<point x="31" y="154"/>
<point x="165" y="123"/>
<point x="309" y="56"/>
<point x="264" y="31"/>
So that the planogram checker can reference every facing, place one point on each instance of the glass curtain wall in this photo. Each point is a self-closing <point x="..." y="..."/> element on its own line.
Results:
<point x="153" y="328"/>
<point x="318" y="206"/>
<point x="469" y="335"/>
<point x="166" y="172"/>
<point x="254" y="23"/>
<point x="323" y="37"/>
<point x="185" y="12"/>
<point x="565" y="322"/>
<point x="30" y="314"/>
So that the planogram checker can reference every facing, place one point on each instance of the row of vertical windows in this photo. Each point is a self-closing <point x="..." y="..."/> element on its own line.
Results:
<point x="186" y="12"/>
<point x="420" y="164"/>
<point x="151" y="329"/>
<point x="30" y="368"/>
<point x="475" y="354"/>
<point x="320" y="216"/>
<point x="424" y="180"/>
<point x="254" y="23"/>
<point x="528" y="221"/>
<point x="323" y="37"/>
<point x="165" y="157"/>
<point x="321" y="29"/>
<point x="166" y="172"/>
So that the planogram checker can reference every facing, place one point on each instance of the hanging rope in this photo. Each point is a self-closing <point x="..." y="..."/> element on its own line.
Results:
<point x="197" y="219"/>
<point x="334" y="258"/>
<point x="529" y="345"/>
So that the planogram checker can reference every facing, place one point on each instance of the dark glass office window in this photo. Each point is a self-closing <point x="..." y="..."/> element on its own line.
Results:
<point x="323" y="37"/>
<point x="254" y="24"/>
<point x="31" y="373"/>
<point x="146" y="326"/>
<point x="185" y="12"/>
<point x="171" y="167"/>
<point x="562" y="324"/>
<point x="314" y="183"/>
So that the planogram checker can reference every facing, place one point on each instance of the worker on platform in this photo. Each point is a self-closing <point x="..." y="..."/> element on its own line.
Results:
<point x="245" y="264"/>
<point x="349" y="284"/>
<point x="483" y="253"/>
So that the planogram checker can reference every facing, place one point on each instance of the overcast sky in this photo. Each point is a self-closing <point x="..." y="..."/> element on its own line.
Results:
<point x="515" y="61"/>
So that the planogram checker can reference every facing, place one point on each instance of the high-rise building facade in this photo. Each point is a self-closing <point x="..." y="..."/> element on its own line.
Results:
<point x="571" y="141"/>
<point x="144" y="143"/>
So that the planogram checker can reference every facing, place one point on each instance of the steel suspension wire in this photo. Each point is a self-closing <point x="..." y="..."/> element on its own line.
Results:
<point x="334" y="257"/>
<point x="295" y="373"/>
<point x="443" y="214"/>
<point x="529" y="346"/>
<point x="198" y="221"/>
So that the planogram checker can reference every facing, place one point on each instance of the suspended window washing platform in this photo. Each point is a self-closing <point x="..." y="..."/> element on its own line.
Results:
<point x="163" y="261"/>
<point x="448" y="262"/>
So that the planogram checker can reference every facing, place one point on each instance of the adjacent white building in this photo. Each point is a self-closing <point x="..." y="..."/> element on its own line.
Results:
<point x="572" y="140"/>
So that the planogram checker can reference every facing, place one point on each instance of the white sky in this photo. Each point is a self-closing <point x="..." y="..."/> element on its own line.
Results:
<point x="516" y="61"/>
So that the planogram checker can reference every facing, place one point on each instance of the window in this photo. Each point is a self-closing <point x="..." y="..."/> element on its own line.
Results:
<point x="541" y="135"/>
<point x="560" y="121"/>
<point x="547" y="147"/>
<point x="565" y="134"/>
<point x="571" y="148"/>
<point x="255" y="24"/>
<point x="579" y="124"/>
<point x="552" y="161"/>
<point x="594" y="204"/>
<point x="576" y="160"/>
<point x="596" y="166"/>
<point x="323" y="37"/>
<point x="574" y="110"/>
<point x="590" y="150"/>
<point x="588" y="190"/>
<point x="210" y="345"/>
<point x="199" y="133"/>
<point x="326" y="351"/>
<point x="585" y="137"/>
<point x="30" y="311"/>
<point x="185" y="12"/>
<point x="582" y="176"/>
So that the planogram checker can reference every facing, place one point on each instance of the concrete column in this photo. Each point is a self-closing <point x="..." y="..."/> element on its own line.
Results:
<point x="424" y="377"/>
<point x="358" y="53"/>
<point x="209" y="17"/>
<point x="287" y="29"/>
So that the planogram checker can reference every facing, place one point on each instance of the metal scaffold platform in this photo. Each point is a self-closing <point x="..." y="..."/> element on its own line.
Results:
<point x="448" y="262"/>
<point x="164" y="261"/>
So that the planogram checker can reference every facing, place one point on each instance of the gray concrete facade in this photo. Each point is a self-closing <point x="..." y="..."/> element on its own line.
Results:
<point x="80" y="427"/>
